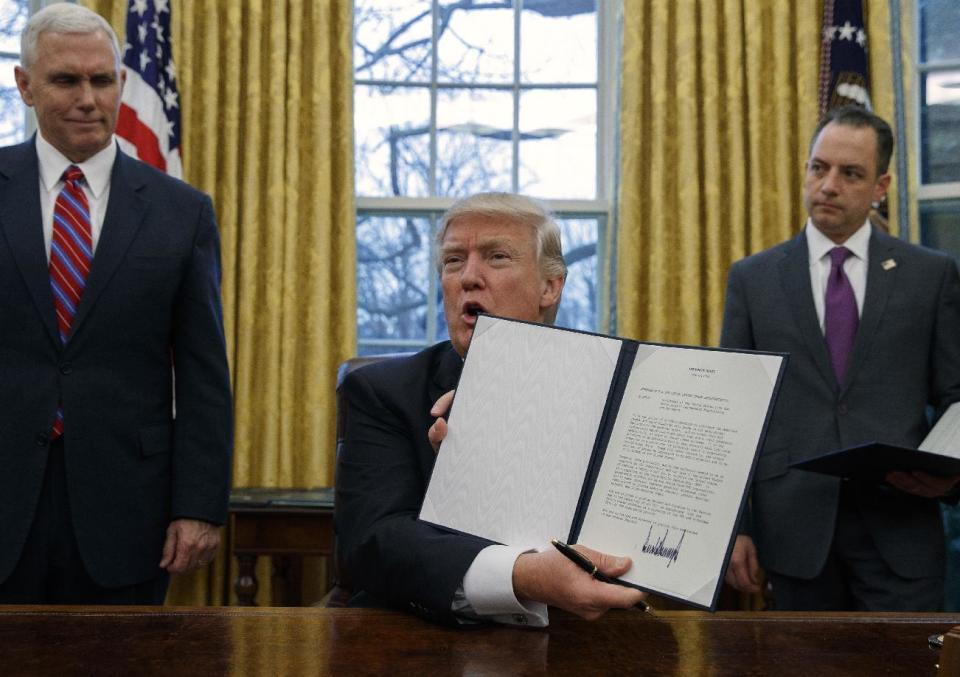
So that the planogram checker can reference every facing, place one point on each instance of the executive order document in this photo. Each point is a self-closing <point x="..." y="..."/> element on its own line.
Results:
<point x="674" y="474"/>
<point x="630" y="448"/>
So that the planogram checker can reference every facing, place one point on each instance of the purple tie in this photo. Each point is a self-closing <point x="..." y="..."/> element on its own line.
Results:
<point x="840" y="314"/>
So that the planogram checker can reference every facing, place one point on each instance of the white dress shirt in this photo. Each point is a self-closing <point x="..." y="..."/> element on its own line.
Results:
<point x="488" y="590"/>
<point x="96" y="172"/>
<point x="855" y="267"/>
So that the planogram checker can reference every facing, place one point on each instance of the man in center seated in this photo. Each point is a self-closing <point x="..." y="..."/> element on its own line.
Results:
<point x="500" y="254"/>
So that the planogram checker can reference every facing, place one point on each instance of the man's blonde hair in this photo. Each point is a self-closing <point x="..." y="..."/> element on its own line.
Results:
<point x="521" y="211"/>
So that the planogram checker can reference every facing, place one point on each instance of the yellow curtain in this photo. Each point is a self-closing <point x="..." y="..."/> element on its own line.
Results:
<point x="718" y="101"/>
<point x="266" y="95"/>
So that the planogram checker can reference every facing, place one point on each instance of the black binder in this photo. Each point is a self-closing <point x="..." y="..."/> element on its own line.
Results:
<point x="876" y="459"/>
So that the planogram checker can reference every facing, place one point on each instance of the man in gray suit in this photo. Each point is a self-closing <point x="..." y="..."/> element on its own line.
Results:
<point x="872" y="325"/>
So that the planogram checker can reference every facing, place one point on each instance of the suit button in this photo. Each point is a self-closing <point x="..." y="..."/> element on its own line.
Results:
<point x="66" y="368"/>
<point x="42" y="439"/>
<point x="842" y="410"/>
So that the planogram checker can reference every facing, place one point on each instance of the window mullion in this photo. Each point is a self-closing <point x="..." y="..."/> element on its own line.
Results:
<point x="434" y="59"/>
<point x="515" y="130"/>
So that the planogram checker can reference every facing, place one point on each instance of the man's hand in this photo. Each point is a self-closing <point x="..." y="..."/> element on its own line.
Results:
<point x="922" y="484"/>
<point x="551" y="578"/>
<point x="439" y="428"/>
<point x="190" y="544"/>
<point x="744" y="570"/>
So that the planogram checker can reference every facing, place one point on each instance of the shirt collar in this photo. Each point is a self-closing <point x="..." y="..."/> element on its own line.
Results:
<point x="819" y="245"/>
<point x="96" y="169"/>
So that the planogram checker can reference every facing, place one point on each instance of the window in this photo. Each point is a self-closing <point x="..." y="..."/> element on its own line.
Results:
<point x="13" y="17"/>
<point x="16" y="120"/>
<point x="938" y="76"/>
<point x="457" y="97"/>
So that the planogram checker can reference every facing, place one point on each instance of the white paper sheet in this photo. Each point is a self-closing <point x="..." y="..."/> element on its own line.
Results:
<point x="676" y="468"/>
<point x="944" y="439"/>
<point x="521" y="431"/>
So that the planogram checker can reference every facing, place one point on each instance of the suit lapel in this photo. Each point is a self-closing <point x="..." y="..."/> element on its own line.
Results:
<point x="795" y="276"/>
<point x="880" y="282"/>
<point x="21" y="222"/>
<point x="124" y="215"/>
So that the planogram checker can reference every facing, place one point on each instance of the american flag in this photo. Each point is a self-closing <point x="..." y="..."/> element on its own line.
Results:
<point x="149" y="123"/>
<point x="844" y="78"/>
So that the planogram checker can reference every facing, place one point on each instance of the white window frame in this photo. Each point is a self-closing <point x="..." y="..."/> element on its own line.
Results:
<point x="601" y="208"/>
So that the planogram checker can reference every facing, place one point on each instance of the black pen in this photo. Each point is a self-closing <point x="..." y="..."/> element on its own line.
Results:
<point x="584" y="563"/>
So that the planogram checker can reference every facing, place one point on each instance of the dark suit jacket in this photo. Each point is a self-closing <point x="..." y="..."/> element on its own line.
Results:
<point x="906" y="356"/>
<point x="382" y="476"/>
<point x="152" y="300"/>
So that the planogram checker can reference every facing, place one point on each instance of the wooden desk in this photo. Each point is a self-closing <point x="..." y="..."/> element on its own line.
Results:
<point x="314" y="641"/>
<point x="286" y="524"/>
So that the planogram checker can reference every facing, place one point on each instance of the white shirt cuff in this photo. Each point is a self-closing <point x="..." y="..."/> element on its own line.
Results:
<point x="488" y="588"/>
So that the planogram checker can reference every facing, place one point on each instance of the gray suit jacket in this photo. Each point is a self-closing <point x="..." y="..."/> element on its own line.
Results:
<point x="152" y="301"/>
<point x="906" y="357"/>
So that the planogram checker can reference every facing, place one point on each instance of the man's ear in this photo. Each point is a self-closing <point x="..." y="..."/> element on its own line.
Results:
<point x="880" y="189"/>
<point x="23" y="84"/>
<point x="552" y="288"/>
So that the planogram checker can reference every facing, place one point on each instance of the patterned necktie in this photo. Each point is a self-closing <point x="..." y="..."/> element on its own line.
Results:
<point x="840" y="314"/>
<point x="71" y="251"/>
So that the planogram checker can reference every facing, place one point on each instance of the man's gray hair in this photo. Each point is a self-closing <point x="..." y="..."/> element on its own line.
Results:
<point x="62" y="17"/>
<point x="518" y="210"/>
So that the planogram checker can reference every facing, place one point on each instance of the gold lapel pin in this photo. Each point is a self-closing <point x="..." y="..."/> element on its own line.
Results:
<point x="889" y="264"/>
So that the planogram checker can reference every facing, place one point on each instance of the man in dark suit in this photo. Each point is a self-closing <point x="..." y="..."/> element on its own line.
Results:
<point x="499" y="254"/>
<point x="872" y="325"/>
<point x="109" y="280"/>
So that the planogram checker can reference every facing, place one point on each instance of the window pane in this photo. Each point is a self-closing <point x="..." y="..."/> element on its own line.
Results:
<point x="391" y="40"/>
<point x="476" y="43"/>
<point x="392" y="140"/>
<point x="474" y="148"/>
<point x="393" y="268"/>
<point x="558" y="146"/>
<point x="940" y="127"/>
<point x="13" y="17"/>
<point x="11" y="107"/>
<point x="939" y="27"/>
<point x="940" y="225"/>
<point x="578" y="305"/>
<point x="558" y="41"/>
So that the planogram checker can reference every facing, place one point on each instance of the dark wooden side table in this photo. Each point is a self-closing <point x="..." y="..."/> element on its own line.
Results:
<point x="286" y="524"/>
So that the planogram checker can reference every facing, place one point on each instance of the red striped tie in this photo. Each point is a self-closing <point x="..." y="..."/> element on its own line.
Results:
<point x="71" y="251"/>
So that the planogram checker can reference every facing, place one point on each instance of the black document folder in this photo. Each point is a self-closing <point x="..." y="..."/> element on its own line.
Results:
<point x="637" y="449"/>
<point x="877" y="459"/>
<point x="939" y="454"/>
